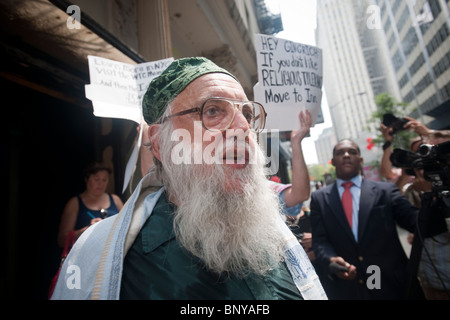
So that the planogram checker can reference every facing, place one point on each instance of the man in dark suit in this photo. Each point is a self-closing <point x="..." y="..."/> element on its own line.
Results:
<point x="360" y="256"/>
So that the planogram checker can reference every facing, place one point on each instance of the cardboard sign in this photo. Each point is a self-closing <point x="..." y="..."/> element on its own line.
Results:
<point x="289" y="80"/>
<point x="117" y="88"/>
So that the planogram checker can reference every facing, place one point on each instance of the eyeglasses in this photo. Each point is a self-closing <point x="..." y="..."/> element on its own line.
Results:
<point x="217" y="114"/>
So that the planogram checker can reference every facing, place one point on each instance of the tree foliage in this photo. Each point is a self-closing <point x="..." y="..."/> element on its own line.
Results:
<point x="388" y="104"/>
<point x="317" y="172"/>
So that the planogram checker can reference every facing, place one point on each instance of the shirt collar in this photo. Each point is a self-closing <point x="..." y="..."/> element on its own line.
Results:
<point x="357" y="180"/>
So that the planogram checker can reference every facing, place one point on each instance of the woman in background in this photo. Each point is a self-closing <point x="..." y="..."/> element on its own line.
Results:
<point x="90" y="206"/>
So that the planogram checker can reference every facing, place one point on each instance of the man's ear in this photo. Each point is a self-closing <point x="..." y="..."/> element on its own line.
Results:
<point x="153" y="134"/>
<point x="332" y="162"/>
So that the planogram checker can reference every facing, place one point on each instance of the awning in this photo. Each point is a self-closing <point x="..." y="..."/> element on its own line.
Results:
<point x="40" y="51"/>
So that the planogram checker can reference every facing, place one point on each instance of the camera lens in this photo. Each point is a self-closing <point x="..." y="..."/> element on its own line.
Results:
<point x="425" y="150"/>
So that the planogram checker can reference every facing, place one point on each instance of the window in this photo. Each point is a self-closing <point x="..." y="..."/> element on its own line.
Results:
<point x="395" y="6"/>
<point x="410" y="41"/>
<point x="415" y="66"/>
<point x="403" y="81"/>
<point x="397" y="61"/>
<point x="403" y="19"/>
<point x="423" y="84"/>
<point x="440" y="36"/>
<point x="435" y="7"/>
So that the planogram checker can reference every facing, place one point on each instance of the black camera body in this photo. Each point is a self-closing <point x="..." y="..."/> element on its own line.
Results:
<point x="433" y="159"/>
<point x="389" y="120"/>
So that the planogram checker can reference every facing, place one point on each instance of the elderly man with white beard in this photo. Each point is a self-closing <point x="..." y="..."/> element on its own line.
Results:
<point x="212" y="228"/>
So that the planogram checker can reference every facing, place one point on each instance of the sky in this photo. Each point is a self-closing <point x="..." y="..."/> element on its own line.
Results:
<point x="299" y="24"/>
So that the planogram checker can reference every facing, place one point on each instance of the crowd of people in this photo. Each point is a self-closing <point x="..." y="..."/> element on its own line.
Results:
<point x="434" y="265"/>
<point x="222" y="230"/>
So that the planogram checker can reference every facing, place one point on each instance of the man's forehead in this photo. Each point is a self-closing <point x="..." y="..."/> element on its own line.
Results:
<point x="208" y="86"/>
<point x="214" y="84"/>
<point x="346" y="145"/>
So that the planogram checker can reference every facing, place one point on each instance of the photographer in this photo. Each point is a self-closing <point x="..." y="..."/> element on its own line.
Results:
<point x="434" y="265"/>
<point x="397" y="176"/>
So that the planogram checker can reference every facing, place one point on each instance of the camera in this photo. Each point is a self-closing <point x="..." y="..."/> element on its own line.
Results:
<point x="433" y="159"/>
<point x="434" y="209"/>
<point x="391" y="121"/>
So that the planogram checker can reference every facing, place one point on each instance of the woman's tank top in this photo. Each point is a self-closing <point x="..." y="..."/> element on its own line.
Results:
<point x="85" y="215"/>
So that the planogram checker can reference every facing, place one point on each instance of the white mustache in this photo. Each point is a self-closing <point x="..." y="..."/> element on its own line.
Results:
<point x="236" y="151"/>
<point x="220" y="150"/>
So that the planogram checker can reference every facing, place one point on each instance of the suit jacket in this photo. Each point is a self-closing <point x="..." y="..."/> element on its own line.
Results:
<point x="382" y="206"/>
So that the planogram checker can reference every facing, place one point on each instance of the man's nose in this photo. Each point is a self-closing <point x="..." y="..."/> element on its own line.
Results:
<point x="239" y="122"/>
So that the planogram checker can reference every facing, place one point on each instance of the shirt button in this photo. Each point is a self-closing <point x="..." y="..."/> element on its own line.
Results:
<point x="360" y="258"/>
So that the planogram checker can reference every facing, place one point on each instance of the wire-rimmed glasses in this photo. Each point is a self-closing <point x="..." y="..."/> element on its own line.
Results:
<point x="218" y="113"/>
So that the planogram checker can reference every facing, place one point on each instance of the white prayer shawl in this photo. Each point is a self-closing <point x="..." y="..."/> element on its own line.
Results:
<point x="93" y="271"/>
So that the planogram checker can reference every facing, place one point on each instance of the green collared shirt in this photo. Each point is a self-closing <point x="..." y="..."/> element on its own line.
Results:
<point x="157" y="267"/>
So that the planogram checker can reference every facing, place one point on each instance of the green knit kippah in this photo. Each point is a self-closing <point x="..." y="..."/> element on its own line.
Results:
<point x="172" y="81"/>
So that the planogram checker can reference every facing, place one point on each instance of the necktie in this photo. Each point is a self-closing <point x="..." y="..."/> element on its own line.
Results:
<point x="347" y="202"/>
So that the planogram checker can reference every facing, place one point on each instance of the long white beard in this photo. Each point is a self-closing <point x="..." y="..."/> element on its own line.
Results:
<point x="229" y="230"/>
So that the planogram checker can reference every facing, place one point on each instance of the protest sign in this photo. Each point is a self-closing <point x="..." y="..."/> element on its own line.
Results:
<point x="289" y="80"/>
<point x="117" y="90"/>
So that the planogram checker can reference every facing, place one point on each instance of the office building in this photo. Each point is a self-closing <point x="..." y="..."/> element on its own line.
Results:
<point x="375" y="46"/>
<point x="417" y="34"/>
<point x="354" y="70"/>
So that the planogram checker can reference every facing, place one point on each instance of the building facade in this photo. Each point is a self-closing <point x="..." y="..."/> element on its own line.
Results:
<point x="324" y="146"/>
<point x="417" y="33"/>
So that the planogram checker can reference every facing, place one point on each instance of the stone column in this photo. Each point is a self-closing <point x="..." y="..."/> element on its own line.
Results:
<point x="153" y="29"/>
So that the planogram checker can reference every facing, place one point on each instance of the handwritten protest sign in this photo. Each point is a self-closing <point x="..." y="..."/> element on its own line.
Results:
<point x="289" y="80"/>
<point x="116" y="91"/>
<point x="117" y="88"/>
